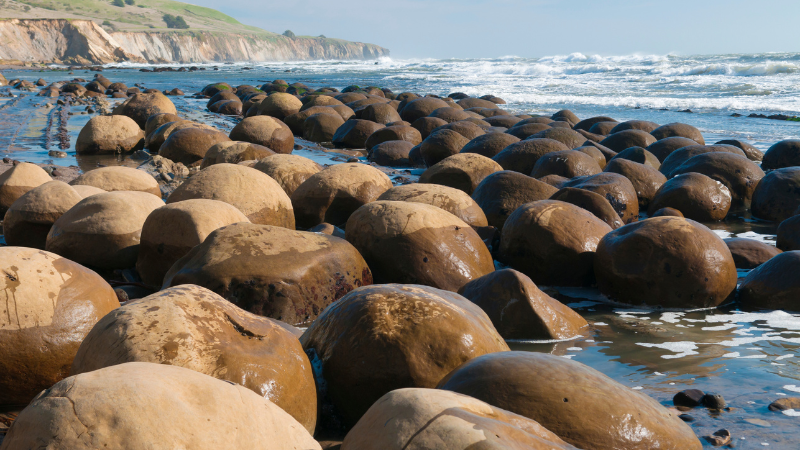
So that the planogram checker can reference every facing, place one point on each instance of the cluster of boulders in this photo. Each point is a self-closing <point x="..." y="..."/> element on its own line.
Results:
<point x="406" y="309"/>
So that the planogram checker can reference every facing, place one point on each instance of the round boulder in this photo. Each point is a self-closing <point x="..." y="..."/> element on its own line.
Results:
<point x="290" y="171"/>
<point x="463" y="171"/>
<point x="645" y="179"/>
<point x="421" y="107"/>
<point x="774" y="284"/>
<point x="140" y="107"/>
<point x="627" y="139"/>
<point x="776" y="195"/>
<point x="29" y="219"/>
<point x="321" y="127"/>
<point x="279" y="105"/>
<point x="788" y="234"/>
<point x="234" y="152"/>
<point x="678" y="129"/>
<point x="392" y="153"/>
<point x="523" y="155"/>
<point x="566" y="163"/>
<point x="18" y="180"/>
<point x="616" y="188"/>
<point x="265" y="130"/>
<point x="109" y="135"/>
<point x="662" y="148"/>
<point x="452" y="200"/>
<point x="393" y="133"/>
<point x="696" y="196"/>
<point x="785" y="153"/>
<point x="489" y="144"/>
<point x="354" y="133"/>
<point x="190" y="145"/>
<point x="382" y="113"/>
<point x="752" y="153"/>
<point x="119" y="178"/>
<point x="750" y="253"/>
<point x="639" y="155"/>
<point x="592" y="202"/>
<point x="737" y="173"/>
<point x="572" y="139"/>
<point x="501" y="193"/>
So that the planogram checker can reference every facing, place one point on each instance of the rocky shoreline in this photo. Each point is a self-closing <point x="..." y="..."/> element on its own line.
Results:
<point x="350" y="306"/>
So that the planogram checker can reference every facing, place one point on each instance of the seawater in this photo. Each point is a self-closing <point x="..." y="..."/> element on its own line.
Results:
<point x="750" y="357"/>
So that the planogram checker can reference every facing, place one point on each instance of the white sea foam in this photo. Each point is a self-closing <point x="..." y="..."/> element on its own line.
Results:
<point x="681" y="349"/>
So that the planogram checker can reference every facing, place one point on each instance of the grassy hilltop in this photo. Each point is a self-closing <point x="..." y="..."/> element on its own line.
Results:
<point x="143" y="15"/>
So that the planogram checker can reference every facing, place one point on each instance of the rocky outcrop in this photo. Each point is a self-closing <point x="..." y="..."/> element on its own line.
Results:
<point x="85" y="42"/>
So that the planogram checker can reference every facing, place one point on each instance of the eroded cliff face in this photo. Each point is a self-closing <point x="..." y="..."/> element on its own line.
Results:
<point x="85" y="42"/>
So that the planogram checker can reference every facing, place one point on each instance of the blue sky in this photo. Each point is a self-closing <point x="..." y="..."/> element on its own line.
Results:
<point x="531" y="28"/>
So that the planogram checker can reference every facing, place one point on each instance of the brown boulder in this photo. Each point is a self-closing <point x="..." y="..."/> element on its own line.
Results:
<point x="595" y="153"/>
<point x="331" y="195"/>
<point x="520" y="310"/>
<point x="234" y="152"/>
<point x="668" y="261"/>
<point x="696" y="196"/>
<point x="775" y="197"/>
<point x="51" y="305"/>
<point x="586" y="124"/>
<point x="503" y="121"/>
<point x="749" y="253"/>
<point x="788" y="234"/>
<point x="463" y="171"/>
<point x="785" y="153"/>
<point x="109" y="135"/>
<point x="18" y="180"/>
<point x="522" y="156"/>
<point x="627" y="139"/>
<point x="156" y="139"/>
<point x="271" y="271"/>
<point x="438" y="248"/>
<point x="683" y="154"/>
<point x="452" y="200"/>
<point x="645" y="179"/>
<point x="662" y="148"/>
<point x="616" y="188"/>
<point x="572" y="139"/>
<point x="119" y="178"/>
<point x="579" y="404"/>
<point x="295" y="121"/>
<point x="103" y="230"/>
<point x="406" y="335"/>
<point x="206" y="333"/>
<point x="188" y="146"/>
<point x="393" y="133"/>
<point x="170" y="231"/>
<point x="737" y="173"/>
<point x="421" y="107"/>
<point x="774" y="284"/>
<point x="29" y="219"/>
<point x="467" y="128"/>
<point x="140" y="107"/>
<point x="566" y="163"/>
<point x="155" y="122"/>
<point x="489" y="144"/>
<point x="678" y="129"/>
<point x="392" y="153"/>
<point x="752" y="153"/>
<point x="312" y="101"/>
<point x="592" y="202"/>
<point x="382" y="113"/>
<point x="279" y="105"/>
<point x="638" y="155"/>
<point x="440" y="145"/>
<point x="426" y="125"/>
<point x="290" y="171"/>
<point x="667" y="212"/>
<point x="321" y="127"/>
<point x="354" y="133"/>
<point x="642" y="125"/>
<point x="501" y="193"/>
<point x="264" y="130"/>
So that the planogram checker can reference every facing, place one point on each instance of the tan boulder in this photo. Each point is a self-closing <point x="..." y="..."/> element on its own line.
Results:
<point x="331" y="195"/>
<point x="109" y="135"/>
<point x="156" y="139"/>
<point x="144" y="405"/>
<point x="29" y="219"/>
<point x="172" y="230"/>
<point x="463" y="171"/>
<point x="321" y="127"/>
<point x="696" y="196"/>
<point x="354" y="133"/>
<point x="296" y="120"/>
<point x="190" y="145"/>
<point x="155" y="122"/>
<point x="416" y="418"/>
<point x="382" y="113"/>
<point x="380" y="338"/>
<point x="438" y="248"/>
<point x="279" y="105"/>
<point x="192" y="327"/>
<point x="579" y="404"/>
<point x="51" y="304"/>
<point x="452" y="200"/>
<point x="233" y="152"/>
<point x="119" y="178"/>
<point x="489" y="144"/>
<point x="271" y="271"/>
<point x="592" y="202"/>
<point x="18" y="180"/>
<point x="265" y="130"/>
<point x="616" y="188"/>
<point x="774" y="284"/>
<point x="87" y="191"/>
<point x="140" y="107"/>
<point x="290" y="171"/>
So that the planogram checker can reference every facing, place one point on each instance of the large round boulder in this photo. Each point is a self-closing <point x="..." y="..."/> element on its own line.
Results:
<point x="643" y="125"/>
<point x="393" y="133"/>
<point x="279" y="105"/>
<point x="156" y="139"/>
<point x="489" y="144"/>
<point x="668" y="261"/>
<point x="172" y="230"/>
<point x="662" y="148"/>
<point x="565" y="163"/>
<point x="785" y="153"/>
<point x="627" y="139"/>
<point x="639" y="155"/>
<point x="696" y="196"/>
<point x="155" y="122"/>
<point x="678" y="129"/>
<point x="592" y="202"/>
<point x="788" y="234"/>
<point x="140" y="107"/>
<point x="520" y="310"/>
<point x="463" y="171"/>
<point x="776" y="197"/>
<point x="252" y="192"/>
<point x="440" y="145"/>
<point x="571" y="138"/>
<point x="264" y="130"/>
<point x="438" y="248"/>
<point x="587" y="124"/>
<point x="331" y="195"/>
<point x="752" y="153"/>
<point x="103" y="231"/>
<point x="146" y="405"/>
<point x="271" y="271"/>
<point x="737" y="173"/>
<point x="522" y="156"/>
<point x="392" y="153"/>
<point x="29" y="219"/>
<point x="18" y="180"/>
<point x="290" y="171"/>
<point x="452" y="200"/>
<point x="683" y="154"/>
<point x="433" y="418"/>
<point x="421" y="107"/>
<point x="616" y="188"/>
<point x="354" y="133"/>
<point x="774" y="284"/>
<point x="190" y="145"/>
<point x="426" y="125"/>
<point x="380" y="338"/>
<point x="192" y="327"/>
<point x="233" y="152"/>
<point x="750" y="253"/>
<point x="501" y="193"/>
<point x="645" y="179"/>
<point x="295" y="121"/>
<point x="119" y="178"/>
<point x="51" y="305"/>
<point x="382" y="113"/>
<point x="579" y="404"/>
<point x="321" y="127"/>
<point x="109" y="135"/>
<point x="552" y="242"/>
<point x="526" y="130"/>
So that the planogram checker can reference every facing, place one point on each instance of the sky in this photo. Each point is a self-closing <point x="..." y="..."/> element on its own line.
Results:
<point x="534" y="28"/>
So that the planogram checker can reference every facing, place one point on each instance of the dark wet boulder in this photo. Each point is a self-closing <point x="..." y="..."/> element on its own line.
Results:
<point x="572" y="139"/>
<point x="489" y="144"/>
<point x="552" y="242"/>
<point x="409" y="336"/>
<point x="579" y="404"/>
<point x="522" y="156"/>
<point x="678" y="129"/>
<point x="567" y="116"/>
<point x="696" y="196"/>
<point x="220" y="96"/>
<point x="393" y="133"/>
<point x="683" y="154"/>
<point x="501" y="193"/>
<point x="737" y="173"/>
<point x="586" y="124"/>
<point x="774" y="284"/>
<point x="777" y="195"/>
<point x="467" y="103"/>
<point x="295" y="121"/>
<point x="642" y="125"/>
<point x="467" y="128"/>
<point x="788" y="233"/>
<point x="566" y="163"/>
<point x="750" y="253"/>
<point x="380" y="113"/>
<point x="592" y="202"/>
<point x="785" y="153"/>
<point x="190" y="145"/>
<point x="321" y="127"/>
<point x="354" y="133"/>
<point x="616" y="188"/>
<point x="420" y="107"/>
<point x="595" y="153"/>
<point x="667" y="261"/>
<point x="752" y="153"/>
<point x="518" y="309"/>
<point x="645" y="179"/>
<point x="264" y="130"/>
<point x="272" y="271"/>
<point x="438" y="248"/>
<point x="450" y="114"/>
<point x="454" y="201"/>
<point x="602" y="128"/>
<point x="391" y="153"/>
<point x="440" y="145"/>
<point x="628" y="138"/>
<point x="426" y="125"/>
<point x="667" y="211"/>
<point x="662" y="148"/>
<point x="639" y="155"/>
<point x="503" y="121"/>
<point x="524" y="131"/>
<point x="463" y="171"/>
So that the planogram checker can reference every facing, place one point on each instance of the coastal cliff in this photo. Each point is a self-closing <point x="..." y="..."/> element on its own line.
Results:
<point x="85" y="42"/>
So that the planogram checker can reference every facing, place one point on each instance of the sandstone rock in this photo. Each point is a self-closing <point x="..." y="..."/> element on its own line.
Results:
<point x="572" y="139"/>
<point x="254" y="193"/>
<point x="321" y="127"/>
<point x="318" y="100"/>
<point x="785" y="153"/>
<point x="119" y="178"/>
<point x="184" y="409"/>
<point x="265" y="130"/>
<point x="775" y="197"/>
<point x="279" y="105"/>
<point x="420" y="107"/>
<point x="662" y="148"/>
<point x="645" y="179"/>
<point x="156" y="139"/>
<point x="788" y="234"/>
<point x="463" y="171"/>
<point x="667" y="212"/>
<point x="438" y="248"/>
<point x="557" y="181"/>
<point x="503" y="121"/>
<point x="392" y="153"/>
<point x="595" y="153"/>
<point x="490" y="144"/>
<point x="667" y="261"/>
<point x="749" y="253"/>
<point x="586" y="124"/>
<point x="552" y="242"/>
<point x="602" y="128"/>
<point x="752" y="153"/>
<point x="577" y="403"/>
<point x="774" y="284"/>
<point x="155" y="122"/>
<point x="382" y="113"/>
<point x="380" y="338"/>
<point x="737" y="173"/>
<point x="192" y="327"/>
<point x="526" y="130"/>
<point x="522" y="156"/>
<point x="476" y="103"/>
<point x="140" y="107"/>
<point x="616" y="188"/>
<point x="643" y="125"/>
<point x="469" y="128"/>
<point x="428" y="418"/>
<point x="51" y="304"/>
<point x="295" y="121"/>
<point x="18" y="180"/>
<point x="566" y="163"/>
<point x="234" y="152"/>
<point x="331" y="195"/>
<point x="519" y="310"/>
<point x="170" y="231"/>
<point x="678" y="129"/>
<point x="683" y="154"/>
<point x="354" y="133"/>
<point x="567" y="116"/>
<point x="452" y="200"/>
<point x="290" y="171"/>
<point x="501" y="193"/>
<point x="426" y="125"/>
<point x="271" y="271"/>
<point x="639" y="155"/>
<point x="628" y="138"/>
<point x="188" y="146"/>
<point x="696" y="196"/>
<point x="28" y="220"/>
<point x="592" y="202"/>
<point x="109" y="135"/>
